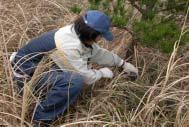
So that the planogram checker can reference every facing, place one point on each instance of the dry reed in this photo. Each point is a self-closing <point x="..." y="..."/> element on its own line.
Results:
<point x="160" y="97"/>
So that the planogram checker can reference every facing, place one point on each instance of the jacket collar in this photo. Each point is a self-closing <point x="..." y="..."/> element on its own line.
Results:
<point x="77" y="34"/>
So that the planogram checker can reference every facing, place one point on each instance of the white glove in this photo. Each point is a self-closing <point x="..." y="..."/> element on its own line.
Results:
<point x="106" y="72"/>
<point x="129" y="68"/>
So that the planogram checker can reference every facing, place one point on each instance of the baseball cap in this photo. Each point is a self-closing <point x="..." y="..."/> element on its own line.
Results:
<point x="100" y="22"/>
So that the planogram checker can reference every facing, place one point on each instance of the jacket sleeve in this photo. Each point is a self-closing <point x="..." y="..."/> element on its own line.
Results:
<point x="104" y="57"/>
<point x="80" y="65"/>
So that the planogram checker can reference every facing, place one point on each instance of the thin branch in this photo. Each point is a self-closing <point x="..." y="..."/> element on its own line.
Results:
<point x="132" y="2"/>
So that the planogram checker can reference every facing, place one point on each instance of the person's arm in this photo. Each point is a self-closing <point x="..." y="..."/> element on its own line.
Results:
<point x="105" y="58"/>
<point x="74" y="58"/>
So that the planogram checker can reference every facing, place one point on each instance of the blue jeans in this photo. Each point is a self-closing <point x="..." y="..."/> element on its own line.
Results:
<point x="64" y="89"/>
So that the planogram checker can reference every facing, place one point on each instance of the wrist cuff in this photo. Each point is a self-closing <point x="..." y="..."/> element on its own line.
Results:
<point x="121" y="63"/>
<point x="101" y="73"/>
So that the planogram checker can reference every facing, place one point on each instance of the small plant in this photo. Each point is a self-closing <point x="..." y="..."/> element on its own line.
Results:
<point x="75" y="9"/>
<point x="120" y="15"/>
<point x="119" y="21"/>
<point x="158" y="35"/>
<point x="94" y="4"/>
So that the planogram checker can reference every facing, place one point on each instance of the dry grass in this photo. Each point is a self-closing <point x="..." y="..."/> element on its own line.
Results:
<point x="160" y="97"/>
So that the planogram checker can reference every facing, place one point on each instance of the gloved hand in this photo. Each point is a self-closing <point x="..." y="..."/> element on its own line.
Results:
<point x="106" y="72"/>
<point x="130" y="70"/>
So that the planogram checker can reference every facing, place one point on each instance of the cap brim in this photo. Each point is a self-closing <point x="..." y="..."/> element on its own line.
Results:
<point x="108" y="36"/>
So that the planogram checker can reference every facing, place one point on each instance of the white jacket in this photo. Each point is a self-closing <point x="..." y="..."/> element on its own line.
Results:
<point x="71" y="54"/>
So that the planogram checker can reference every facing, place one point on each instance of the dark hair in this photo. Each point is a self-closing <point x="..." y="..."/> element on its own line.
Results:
<point x="84" y="32"/>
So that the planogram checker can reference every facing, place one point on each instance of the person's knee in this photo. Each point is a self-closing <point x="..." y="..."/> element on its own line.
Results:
<point x="74" y="78"/>
<point x="71" y="79"/>
<point x="78" y="81"/>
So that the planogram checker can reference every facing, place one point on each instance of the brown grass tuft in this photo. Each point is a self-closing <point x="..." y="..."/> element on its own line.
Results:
<point x="160" y="97"/>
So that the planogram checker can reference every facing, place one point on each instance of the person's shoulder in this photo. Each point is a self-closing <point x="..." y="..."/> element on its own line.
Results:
<point x="95" y="46"/>
<point x="68" y="38"/>
<point x="66" y="30"/>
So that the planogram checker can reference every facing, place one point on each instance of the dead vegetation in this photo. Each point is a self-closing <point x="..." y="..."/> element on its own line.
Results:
<point x="160" y="97"/>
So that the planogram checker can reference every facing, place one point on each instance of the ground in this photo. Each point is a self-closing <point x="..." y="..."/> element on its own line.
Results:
<point x="158" y="98"/>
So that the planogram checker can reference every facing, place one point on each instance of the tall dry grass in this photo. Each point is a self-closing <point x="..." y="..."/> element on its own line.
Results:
<point x="160" y="97"/>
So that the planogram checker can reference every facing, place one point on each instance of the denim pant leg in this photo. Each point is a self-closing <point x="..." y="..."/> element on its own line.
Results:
<point x="66" y="86"/>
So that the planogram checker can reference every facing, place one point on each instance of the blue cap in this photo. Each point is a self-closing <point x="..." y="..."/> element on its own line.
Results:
<point x="100" y="22"/>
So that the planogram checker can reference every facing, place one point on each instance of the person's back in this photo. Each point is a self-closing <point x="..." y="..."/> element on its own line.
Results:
<point x="28" y="57"/>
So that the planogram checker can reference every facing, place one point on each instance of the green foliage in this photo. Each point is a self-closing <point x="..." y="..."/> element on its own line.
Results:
<point x="118" y="20"/>
<point x="94" y="4"/>
<point x="144" y="1"/>
<point x="119" y="16"/>
<point x="150" y="15"/>
<point x="175" y="6"/>
<point x="147" y="2"/>
<point x="158" y="35"/>
<point x="75" y="9"/>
